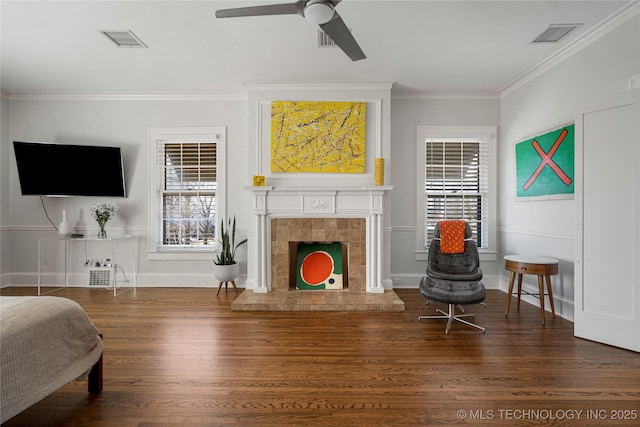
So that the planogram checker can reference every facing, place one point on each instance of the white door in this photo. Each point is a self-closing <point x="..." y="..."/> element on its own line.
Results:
<point x="607" y="195"/>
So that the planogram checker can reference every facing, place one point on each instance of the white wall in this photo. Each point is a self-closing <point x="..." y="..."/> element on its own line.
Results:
<point x="547" y="227"/>
<point x="4" y="188"/>
<point x="121" y="123"/>
<point x="125" y="123"/>
<point x="406" y="115"/>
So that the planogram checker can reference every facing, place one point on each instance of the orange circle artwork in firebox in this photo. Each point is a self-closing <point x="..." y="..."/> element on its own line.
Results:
<point x="316" y="267"/>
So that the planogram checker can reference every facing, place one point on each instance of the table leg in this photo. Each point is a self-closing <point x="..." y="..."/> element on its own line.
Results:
<point x="511" y="280"/>
<point x="541" y="290"/>
<point x="550" y="292"/>
<point x="519" y="289"/>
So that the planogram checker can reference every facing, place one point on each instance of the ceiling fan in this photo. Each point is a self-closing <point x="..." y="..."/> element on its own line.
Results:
<point x="321" y="12"/>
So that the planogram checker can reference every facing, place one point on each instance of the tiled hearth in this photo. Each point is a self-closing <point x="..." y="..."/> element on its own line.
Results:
<point x="327" y="300"/>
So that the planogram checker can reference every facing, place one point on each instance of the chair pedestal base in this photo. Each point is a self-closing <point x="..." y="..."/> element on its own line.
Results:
<point x="451" y="316"/>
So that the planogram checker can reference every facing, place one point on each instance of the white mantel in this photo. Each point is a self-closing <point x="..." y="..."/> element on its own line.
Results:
<point x="320" y="202"/>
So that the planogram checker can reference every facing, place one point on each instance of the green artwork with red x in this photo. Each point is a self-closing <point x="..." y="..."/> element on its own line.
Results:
<point x="545" y="164"/>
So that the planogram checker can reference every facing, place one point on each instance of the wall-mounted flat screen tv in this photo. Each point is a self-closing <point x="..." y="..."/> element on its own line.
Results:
<point x="48" y="169"/>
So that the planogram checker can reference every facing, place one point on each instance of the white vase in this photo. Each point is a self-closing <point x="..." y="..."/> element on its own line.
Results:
<point x="65" y="228"/>
<point x="226" y="273"/>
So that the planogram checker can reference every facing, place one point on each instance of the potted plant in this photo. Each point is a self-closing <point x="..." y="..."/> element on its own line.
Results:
<point x="225" y="268"/>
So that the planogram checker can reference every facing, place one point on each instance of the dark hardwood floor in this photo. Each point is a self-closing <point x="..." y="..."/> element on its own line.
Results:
<point x="182" y="357"/>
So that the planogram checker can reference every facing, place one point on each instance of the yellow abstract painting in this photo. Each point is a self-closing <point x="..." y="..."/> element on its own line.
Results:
<point x="318" y="136"/>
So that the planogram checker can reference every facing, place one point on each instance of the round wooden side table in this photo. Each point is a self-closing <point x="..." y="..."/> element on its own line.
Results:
<point x="542" y="267"/>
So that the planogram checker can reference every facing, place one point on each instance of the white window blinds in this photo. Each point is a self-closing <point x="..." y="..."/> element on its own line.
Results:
<point x="456" y="185"/>
<point x="188" y="185"/>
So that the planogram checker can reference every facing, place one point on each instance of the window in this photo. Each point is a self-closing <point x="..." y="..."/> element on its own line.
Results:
<point x="187" y="190"/>
<point x="456" y="181"/>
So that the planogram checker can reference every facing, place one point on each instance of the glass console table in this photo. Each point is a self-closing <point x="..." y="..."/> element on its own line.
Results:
<point x="108" y="265"/>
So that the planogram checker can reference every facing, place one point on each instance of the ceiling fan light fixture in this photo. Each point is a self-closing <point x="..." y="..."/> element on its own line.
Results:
<point x="318" y="11"/>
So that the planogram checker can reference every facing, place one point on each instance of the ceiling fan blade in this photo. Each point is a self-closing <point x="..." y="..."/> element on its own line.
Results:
<point x="339" y="33"/>
<point x="271" y="9"/>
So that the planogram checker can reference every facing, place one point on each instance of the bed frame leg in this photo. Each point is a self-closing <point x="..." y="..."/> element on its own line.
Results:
<point x="95" y="377"/>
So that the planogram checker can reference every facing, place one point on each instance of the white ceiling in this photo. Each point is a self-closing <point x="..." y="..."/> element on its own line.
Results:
<point x="422" y="46"/>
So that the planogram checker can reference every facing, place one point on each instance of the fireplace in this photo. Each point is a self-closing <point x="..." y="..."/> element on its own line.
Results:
<point x="284" y="216"/>
<point x="288" y="233"/>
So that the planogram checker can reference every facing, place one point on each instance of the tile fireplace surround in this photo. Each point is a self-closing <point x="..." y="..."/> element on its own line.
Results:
<point x="286" y="232"/>
<point x="285" y="216"/>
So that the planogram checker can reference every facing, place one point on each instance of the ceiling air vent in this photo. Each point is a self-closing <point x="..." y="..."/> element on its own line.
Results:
<point x="324" y="40"/>
<point x="124" y="38"/>
<point x="555" y="33"/>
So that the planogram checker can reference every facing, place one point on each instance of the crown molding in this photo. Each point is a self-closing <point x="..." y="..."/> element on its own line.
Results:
<point x="445" y="95"/>
<point x="68" y="96"/>
<point x="319" y="86"/>
<point x="71" y="96"/>
<point x="595" y="33"/>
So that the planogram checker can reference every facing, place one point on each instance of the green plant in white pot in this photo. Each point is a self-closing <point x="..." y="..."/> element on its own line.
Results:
<point x="226" y="268"/>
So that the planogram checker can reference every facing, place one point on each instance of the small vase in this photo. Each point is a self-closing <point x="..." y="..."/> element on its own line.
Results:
<point x="102" y="233"/>
<point x="64" y="228"/>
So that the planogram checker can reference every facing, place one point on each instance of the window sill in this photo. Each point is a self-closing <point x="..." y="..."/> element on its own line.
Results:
<point x="485" y="255"/>
<point x="184" y="255"/>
